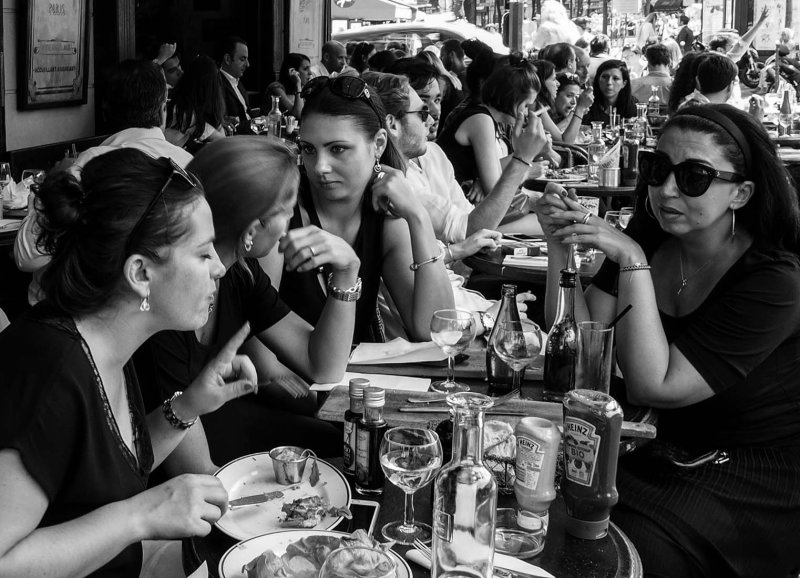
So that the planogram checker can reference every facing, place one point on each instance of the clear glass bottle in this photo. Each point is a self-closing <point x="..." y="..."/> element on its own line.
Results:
<point x="596" y="150"/>
<point x="654" y="102"/>
<point x="275" y="118"/>
<point x="498" y="373"/>
<point x="465" y="497"/>
<point x="785" y="118"/>
<point x="562" y="342"/>
<point x="592" y="425"/>
<point x="369" y="434"/>
<point x="629" y="157"/>
<point x="351" y="418"/>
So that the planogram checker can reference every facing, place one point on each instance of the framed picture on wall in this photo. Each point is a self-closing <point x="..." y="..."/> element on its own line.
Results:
<point x="53" y="53"/>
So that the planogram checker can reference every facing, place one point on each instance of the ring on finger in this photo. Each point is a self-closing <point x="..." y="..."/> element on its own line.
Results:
<point x="586" y="218"/>
<point x="313" y="253"/>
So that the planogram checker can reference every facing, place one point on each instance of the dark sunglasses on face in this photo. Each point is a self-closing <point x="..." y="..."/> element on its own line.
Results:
<point x="423" y="113"/>
<point x="350" y="87"/>
<point x="178" y="173"/>
<point x="692" y="177"/>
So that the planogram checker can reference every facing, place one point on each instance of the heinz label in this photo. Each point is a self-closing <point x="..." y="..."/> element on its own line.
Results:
<point x="530" y="457"/>
<point x="581" y="446"/>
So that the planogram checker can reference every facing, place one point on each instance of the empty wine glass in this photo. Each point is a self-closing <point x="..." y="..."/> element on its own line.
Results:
<point x="410" y="458"/>
<point x="519" y="344"/>
<point x="452" y="330"/>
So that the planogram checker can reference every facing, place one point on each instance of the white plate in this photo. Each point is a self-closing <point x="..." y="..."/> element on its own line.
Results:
<point x="563" y="179"/>
<point x="253" y="474"/>
<point x="231" y="563"/>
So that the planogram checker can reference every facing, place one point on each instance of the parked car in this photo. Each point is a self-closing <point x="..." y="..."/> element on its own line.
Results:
<point x="417" y="35"/>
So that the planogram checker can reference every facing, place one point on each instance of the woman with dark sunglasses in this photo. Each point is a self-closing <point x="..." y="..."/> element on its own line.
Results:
<point x="352" y="186"/>
<point x="132" y="254"/>
<point x="612" y="89"/>
<point x="710" y="267"/>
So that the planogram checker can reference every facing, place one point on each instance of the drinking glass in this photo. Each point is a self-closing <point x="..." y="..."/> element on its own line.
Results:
<point x="258" y="124"/>
<point x="625" y="215"/>
<point x="613" y="219"/>
<point x="357" y="561"/>
<point x="410" y="458"/>
<point x="519" y="344"/>
<point x="452" y="330"/>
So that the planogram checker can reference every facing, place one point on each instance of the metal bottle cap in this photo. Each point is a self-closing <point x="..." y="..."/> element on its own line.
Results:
<point x="568" y="278"/>
<point x="357" y="385"/>
<point x="374" y="397"/>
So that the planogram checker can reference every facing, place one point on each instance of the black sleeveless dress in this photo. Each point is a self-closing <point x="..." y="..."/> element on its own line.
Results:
<point x="303" y="291"/>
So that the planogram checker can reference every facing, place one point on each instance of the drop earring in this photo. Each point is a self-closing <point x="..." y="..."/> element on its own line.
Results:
<point x="648" y="209"/>
<point x="733" y="223"/>
<point x="377" y="168"/>
<point x="144" y="306"/>
<point x="248" y="244"/>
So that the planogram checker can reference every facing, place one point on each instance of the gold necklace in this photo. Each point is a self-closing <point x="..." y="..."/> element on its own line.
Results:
<point x="685" y="278"/>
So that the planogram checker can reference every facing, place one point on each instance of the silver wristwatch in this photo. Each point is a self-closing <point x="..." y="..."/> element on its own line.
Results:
<point x="486" y="320"/>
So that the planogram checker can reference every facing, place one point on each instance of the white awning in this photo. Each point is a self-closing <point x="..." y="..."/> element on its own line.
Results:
<point x="372" y="10"/>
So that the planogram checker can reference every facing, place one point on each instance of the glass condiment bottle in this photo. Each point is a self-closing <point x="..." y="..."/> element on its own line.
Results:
<point x="592" y="424"/>
<point x="498" y="373"/>
<point x="465" y="497"/>
<point x="351" y="418"/>
<point x="785" y="118"/>
<point x="369" y="434"/>
<point x="629" y="157"/>
<point x="275" y="118"/>
<point x="596" y="150"/>
<point x="562" y="342"/>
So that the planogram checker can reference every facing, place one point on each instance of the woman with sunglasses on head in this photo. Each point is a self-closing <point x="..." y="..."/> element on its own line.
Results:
<point x="353" y="187"/>
<point x="248" y="224"/>
<point x="132" y="255"/>
<point x="710" y="267"/>
<point x="612" y="89"/>
<point x="546" y="99"/>
<point x="570" y="106"/>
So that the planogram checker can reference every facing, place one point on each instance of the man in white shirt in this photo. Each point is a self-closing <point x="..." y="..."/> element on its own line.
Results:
<point x="332" y="61"/>
<point x="137" y="104"/>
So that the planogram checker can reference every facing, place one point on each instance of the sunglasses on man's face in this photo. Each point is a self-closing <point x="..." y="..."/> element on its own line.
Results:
<point x="692" y="177"/>
<point x="423" y="113"/>
<point x="350" y="87"/>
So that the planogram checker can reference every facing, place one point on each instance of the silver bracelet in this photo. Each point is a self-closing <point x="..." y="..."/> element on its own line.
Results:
<point x="450" y="252"/>
<point x="635" y="267"/>
<point x="417" y="266"/>
<point x="169" y="413"/>
<point x="351" y="294"/>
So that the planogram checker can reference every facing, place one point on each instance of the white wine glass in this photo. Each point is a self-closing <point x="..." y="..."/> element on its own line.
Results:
<point x="453" y="330"/>
<point x="519" y="344"/>
<point x="410" y="458"/>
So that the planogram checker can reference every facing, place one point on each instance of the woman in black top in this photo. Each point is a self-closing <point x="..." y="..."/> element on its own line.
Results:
<point x="251" y="187"/>
<point x="356" y="190"/>
<point x="131" y="256"/>
<point x="710" y="267"/>
<point x="612" y="89"/>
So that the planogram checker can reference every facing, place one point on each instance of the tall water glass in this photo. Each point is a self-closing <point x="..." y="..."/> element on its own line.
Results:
<point x="410" y="458"/>
<point x="452" y="330"/>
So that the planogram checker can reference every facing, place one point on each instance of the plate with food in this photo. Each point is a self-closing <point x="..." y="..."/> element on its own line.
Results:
<point x="301" y="553"/>
<point x="258" y="504"/>
<point x="562" y="176"/>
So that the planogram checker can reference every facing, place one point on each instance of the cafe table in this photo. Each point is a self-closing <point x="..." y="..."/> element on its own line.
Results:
<point x="564" y="556"/>
<point x="494" y="263"/>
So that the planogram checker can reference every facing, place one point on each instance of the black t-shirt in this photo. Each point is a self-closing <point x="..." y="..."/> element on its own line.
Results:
<point x="170" y="360"/>
<point x="744" y="339"/>
<point x="54" y="412"/>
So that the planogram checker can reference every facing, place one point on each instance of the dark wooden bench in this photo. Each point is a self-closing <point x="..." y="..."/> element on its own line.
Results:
<point x="45" y="156"/>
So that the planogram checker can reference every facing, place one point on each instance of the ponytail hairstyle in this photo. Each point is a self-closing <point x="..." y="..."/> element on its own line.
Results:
<point x="92" y="225"/>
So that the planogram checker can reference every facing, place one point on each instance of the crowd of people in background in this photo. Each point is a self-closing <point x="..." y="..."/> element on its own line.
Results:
<point x="187" y="269"/>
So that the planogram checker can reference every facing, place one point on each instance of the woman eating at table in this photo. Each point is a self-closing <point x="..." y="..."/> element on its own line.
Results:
<point x="251" y="187"/>
<point x="710" y="266"/>
<point x="612" y="90"/>
<point x="132" y="255"/>
<point x="354" y="188"/>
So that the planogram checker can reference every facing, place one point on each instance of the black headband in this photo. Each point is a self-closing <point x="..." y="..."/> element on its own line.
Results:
<point x="715" y="116"/>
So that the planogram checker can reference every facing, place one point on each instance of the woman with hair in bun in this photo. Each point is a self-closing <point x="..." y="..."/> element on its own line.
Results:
<point x="251" y="187"/>
<point x="132" y="255"/>
<point x="354" y="187"/>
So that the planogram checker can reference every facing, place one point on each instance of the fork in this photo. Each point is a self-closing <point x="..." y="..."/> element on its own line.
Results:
<point x="423" y="548"/>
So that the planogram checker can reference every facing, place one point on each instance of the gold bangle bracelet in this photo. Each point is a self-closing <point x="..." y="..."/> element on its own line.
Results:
<point x="416" y="266"/>
<point x="635" y="267"/>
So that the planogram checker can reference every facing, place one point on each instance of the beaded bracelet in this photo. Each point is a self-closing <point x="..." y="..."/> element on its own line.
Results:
<point x="417" y="266"/>
<point x="635" y="267"/>
<point x="169" y="413"/>
<point x="351" y="294"/>
<point x="520" y="159"/>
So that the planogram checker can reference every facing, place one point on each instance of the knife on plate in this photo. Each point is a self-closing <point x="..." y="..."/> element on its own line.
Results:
<point x="255" y="499"/>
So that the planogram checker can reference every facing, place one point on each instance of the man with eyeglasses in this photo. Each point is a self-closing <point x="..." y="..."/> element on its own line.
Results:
<point x="431" y="173"/>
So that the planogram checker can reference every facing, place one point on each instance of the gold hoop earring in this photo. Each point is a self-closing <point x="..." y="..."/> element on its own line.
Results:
<point x="248" y="244"/>
<point x="377" y="168"/>
<point x="144" y="306"/>
<point x="647" y="208"/>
